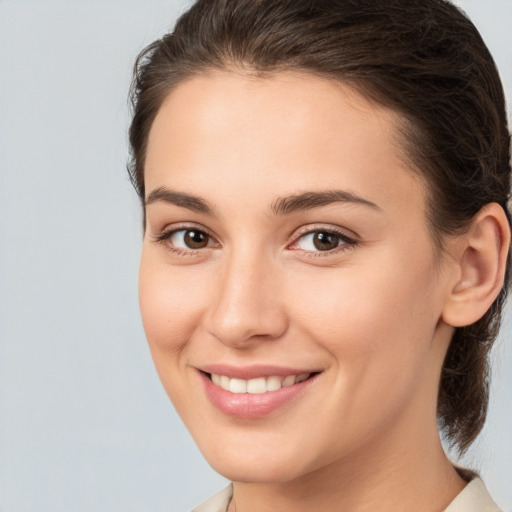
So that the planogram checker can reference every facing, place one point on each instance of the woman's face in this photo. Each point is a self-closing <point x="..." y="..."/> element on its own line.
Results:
<point x="286" y="239"/>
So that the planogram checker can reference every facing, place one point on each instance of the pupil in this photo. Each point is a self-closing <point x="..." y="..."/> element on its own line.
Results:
<point x="196" y="239"/>
<point x="325" y="241"/>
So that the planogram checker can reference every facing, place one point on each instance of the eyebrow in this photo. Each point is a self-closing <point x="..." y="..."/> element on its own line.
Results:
<point x="281" y="206"/>
<point x="309" y="200"/>
<point x="196" y="204"/>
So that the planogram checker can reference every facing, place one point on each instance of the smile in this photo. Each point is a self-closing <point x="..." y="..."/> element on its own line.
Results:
<point x="257" y="386"/>
<point x="254" y="392"/>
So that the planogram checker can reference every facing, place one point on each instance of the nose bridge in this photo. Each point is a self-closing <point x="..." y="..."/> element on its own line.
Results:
<point x="247" y="305"/>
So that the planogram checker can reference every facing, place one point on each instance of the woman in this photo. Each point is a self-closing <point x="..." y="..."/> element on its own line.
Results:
<point x="324" y="186"/>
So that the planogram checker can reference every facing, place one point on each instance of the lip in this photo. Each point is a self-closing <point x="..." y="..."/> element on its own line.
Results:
<point x="247" y="405"/>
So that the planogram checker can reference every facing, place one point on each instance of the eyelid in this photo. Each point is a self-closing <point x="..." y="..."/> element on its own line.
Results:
<point x="312" y="228"/>
<point x="166" y="233"/>
<point x="350" y="240"/>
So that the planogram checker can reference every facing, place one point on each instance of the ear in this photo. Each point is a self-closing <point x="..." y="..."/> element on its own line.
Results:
<point x="480" y="257"/>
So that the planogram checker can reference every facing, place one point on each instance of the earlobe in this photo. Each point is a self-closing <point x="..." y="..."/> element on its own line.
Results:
<point x="481" y="262"/>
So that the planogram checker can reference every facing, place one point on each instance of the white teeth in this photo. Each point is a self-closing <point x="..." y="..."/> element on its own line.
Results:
<point x="238" y="386"/>
<point x="224" y="382"/>
<point x="288" y="381"/>
<point x="273" y="383"/>
<point x="257" y="386"/>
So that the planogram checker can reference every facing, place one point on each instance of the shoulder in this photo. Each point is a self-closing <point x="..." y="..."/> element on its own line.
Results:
<point x="474" y="498"/>
<point x="217" y="503"/>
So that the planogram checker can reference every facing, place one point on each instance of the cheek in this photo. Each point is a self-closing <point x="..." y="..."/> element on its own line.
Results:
<point x="358" y="310"/>
<point x="377" y="325"/>
<point x="171" y="303"/>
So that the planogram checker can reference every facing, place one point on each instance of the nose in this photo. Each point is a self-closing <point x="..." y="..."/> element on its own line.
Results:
<point x="248" y="305"/>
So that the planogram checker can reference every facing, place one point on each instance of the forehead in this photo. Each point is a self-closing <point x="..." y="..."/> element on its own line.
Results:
<point x="289" y="131"/>
<point x="297" y="101"/>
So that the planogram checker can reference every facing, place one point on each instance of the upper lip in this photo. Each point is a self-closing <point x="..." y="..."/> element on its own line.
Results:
<point x="253" y="371"/>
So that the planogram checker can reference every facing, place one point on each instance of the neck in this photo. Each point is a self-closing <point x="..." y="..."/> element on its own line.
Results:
<point x="405" y="471"/>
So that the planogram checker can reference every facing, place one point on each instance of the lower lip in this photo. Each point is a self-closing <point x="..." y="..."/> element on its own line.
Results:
<point x="252" y="406"/>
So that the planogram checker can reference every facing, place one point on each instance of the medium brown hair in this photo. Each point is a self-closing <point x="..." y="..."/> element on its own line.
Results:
<point x="422" y="58"/>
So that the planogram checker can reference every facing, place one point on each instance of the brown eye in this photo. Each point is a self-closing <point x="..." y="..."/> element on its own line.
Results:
<point x="187" y="239"/>
<point x="324" y="241"/>
<point x="194" y="239"/>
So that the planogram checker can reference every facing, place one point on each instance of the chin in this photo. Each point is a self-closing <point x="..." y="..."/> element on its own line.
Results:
<point x="262" y="472"/>
<point x="257" y="466"/>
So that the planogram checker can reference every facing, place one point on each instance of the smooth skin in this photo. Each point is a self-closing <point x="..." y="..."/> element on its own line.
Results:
<point x="229" y="277"/>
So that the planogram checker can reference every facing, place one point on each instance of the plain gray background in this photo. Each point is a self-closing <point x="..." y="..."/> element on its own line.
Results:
<point x="84" y="423"/>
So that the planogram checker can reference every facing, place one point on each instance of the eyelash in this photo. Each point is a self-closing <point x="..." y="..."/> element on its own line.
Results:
<point x="346" y="244"/>
<point x="346" y="241"/>
<point x="165" y="235"/>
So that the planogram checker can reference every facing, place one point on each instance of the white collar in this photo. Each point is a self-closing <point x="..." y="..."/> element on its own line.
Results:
<point x="473" y="498"/>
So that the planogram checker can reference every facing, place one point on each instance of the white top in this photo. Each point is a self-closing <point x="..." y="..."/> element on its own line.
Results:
<point x="473" y="498"/>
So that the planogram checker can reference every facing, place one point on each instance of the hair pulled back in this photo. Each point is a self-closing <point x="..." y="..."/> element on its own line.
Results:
<point x="422" y="58"/>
